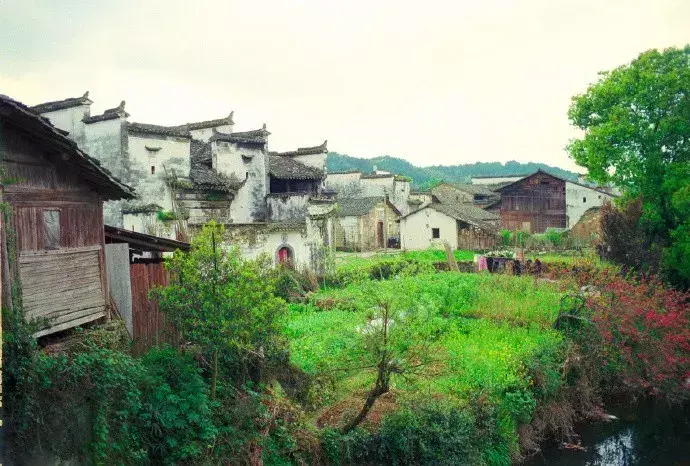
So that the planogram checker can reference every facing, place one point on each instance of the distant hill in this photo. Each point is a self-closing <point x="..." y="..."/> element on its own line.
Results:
<point x="423" y="176"/>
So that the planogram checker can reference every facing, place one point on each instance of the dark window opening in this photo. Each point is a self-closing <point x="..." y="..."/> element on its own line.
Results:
<point x="51" y="225"/>
<point x="278" y="186"/>
<point x="435" y="233"/>
<point x="153" y="169"/>
<point x="246" y="176"/>
<point x="584" y="199"/>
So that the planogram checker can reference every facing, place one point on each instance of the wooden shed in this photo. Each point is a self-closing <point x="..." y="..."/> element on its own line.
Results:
<point x="135" y="267"/>
<point x="54" y="239"/>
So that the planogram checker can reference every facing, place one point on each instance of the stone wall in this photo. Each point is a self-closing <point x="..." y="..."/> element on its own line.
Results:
<point x="287" y="206"/>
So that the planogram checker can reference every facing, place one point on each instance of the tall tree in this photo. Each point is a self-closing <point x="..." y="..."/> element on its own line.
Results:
<point x="225" y="304"/>
<point x="636" y="123"/>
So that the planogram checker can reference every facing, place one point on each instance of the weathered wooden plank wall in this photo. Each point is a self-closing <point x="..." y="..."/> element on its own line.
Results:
<point x="470" y="238"/>
<point x="150" y="326"/>
<point x="62" y="286"/>
<point x="534" y="204"/>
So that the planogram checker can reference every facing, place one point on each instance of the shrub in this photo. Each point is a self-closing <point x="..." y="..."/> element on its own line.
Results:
<point x="423" y="433"/>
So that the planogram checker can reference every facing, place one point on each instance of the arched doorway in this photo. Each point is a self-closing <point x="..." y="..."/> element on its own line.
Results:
<point x="285" y="256"/>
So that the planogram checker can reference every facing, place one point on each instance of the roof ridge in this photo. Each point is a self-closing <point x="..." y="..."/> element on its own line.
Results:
<point x="54" y="105"/>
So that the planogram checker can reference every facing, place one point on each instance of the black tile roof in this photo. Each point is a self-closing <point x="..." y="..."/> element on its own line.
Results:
<point x="375" y="176"/>
<point x="208" y="123"/>
<point x="201" y="171"/>
<point x="257" y="136"/>
<point x="286" y="168"/>
<point x="356" y="207"/>
<point x="467" y="213"/>
<point x="320" y="149"/>
<point x="145" y="128"/>
<point x="109" y="114"/>
<point x="23" y="117"/>
<point x="62" y="104"/>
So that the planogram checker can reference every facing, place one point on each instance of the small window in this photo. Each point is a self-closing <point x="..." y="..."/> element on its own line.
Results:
<point x="584" y="200"/>
<point x="246" y="176"/>
<point x="435" y="233"/>
<point x="153" y="169"/>
<point x="51" y="225"/>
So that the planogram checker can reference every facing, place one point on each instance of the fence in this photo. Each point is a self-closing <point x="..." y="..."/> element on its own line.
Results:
<point x="149" y="326"/>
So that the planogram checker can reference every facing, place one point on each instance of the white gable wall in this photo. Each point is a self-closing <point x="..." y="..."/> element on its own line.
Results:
<point x="70" y="119"/>
<point x="249" y="203"/>
<point x="416" y="230"/>
<point x="578" y="199"/>
<point x="205" y="133"/>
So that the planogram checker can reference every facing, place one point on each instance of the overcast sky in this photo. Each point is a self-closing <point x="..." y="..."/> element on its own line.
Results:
<point x="432" y="82"/>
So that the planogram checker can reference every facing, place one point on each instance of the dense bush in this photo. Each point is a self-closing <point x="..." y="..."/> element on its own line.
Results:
<point x="639" y="335"/>
<point x="424" y="433"/>
<point x="105" y="407"/>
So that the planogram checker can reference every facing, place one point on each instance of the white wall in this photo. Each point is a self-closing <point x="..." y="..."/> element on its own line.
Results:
<point x="265" y="242"/>
<point x="415" y="230"/>
<point x="400" y="196"/>
<point x="205" y="133"/>
<point x="152" y="188"/>
<point x="350" y="231"/>
<point x="249" y="203"/>
<point x="69" y="119"/>
<point x="317" y="161"/>
<point x="288" y="206"/>
<point x="496" y="180"/>
<point x="578" y="199"/>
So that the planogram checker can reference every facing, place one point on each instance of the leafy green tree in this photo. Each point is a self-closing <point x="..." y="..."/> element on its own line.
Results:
<point x="225" y="304"/>
<point x="636" y="120"/>
<point x="398" y="340"/>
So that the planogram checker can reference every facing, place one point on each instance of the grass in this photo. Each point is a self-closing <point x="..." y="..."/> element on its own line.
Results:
<point x="362" y="260"/>
<point x="495" y="344"/>
<point x="491" y="324"/>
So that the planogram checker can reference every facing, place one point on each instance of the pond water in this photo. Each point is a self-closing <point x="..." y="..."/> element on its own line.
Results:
<point x="651" y="434"/>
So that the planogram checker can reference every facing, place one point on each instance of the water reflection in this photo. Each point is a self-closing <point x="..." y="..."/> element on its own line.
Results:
<point x="651" y="434"/>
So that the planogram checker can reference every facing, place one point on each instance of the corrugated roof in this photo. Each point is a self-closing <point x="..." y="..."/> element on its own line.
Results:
<point x="86" y="166"/>
<point x="286" y="168"/>
<point x="62" y="104"/>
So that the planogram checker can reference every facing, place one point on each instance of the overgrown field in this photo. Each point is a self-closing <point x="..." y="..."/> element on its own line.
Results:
<point x="493" y="336"/>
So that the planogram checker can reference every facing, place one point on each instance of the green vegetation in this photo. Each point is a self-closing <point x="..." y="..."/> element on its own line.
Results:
<point x="389" y="361"/>
<point x="427" y="177"/>
<point x="489" y="331"/>
<point x="636" y="120"/>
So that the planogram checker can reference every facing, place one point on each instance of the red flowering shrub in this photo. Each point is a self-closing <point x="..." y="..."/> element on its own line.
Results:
<point x="641" y="333"/>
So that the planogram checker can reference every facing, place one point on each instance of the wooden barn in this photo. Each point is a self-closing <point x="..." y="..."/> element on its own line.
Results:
<point x="533" y="203"/>
<point x="541" y="201"/>
<point x="53" y="242"/>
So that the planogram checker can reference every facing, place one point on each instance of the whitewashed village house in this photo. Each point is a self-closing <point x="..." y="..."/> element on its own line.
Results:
<point x="461" y="225"/>
<point x="188" y="174"/>
<point x="366" y="224"/>
<point x="358" y="185"/>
